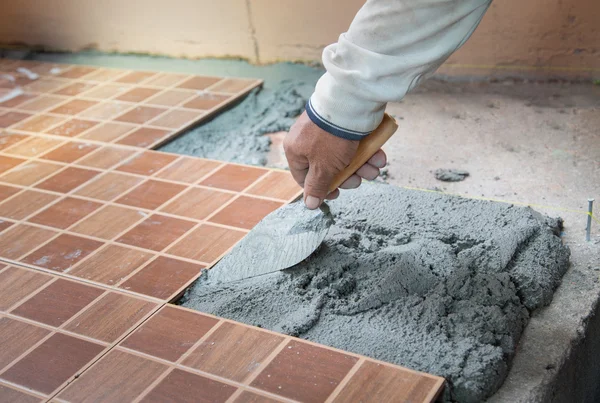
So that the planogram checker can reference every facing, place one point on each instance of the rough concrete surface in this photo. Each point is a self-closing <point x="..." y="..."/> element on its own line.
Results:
<point x="450" y="175"/>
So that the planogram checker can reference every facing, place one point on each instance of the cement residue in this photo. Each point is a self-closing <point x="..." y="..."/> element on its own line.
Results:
<point x="433" y="282"/>
<point x="450" y="175"/>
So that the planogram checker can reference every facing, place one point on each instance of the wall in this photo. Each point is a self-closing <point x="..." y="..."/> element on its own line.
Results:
<point x="558" y="37"/>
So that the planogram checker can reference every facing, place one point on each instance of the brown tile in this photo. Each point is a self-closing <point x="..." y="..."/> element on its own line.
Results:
<point x="17" y="337"/>
<point x="52" y="363"/>
<point x="18" y="100"/>
<point x="108" y="132"/>
<point x="110" y="317"/>
<point x="170" y="98"/>
<point x="137" y="94"/>
<point x="67" y="180"/>
<point x="233" y="351"/>
<point x="249" y="397"/>
<point x="30" y="173"/>
<point x="104" y="75"/>
<point x="206" y="243"/>
<point x="162" y="278"/>
<point x="15" y="396"/>
<point x="73" y="107"/>
<point x="10" y="139"/>
<point x="42" y="103"/>
<point x="16" y="284"/>
<point x="74" y="89"/>
<point x="157" y="338"/>
<point x="39" y="123"/>
<point x="25" y="204"/>
<point x="166" y="79"/>
<point x="135" y="77"/>
<point x="108" y="186"/>
<point x="177" y="118"/>
<point x="234" y="177"/>
<point x="70" y="152"/>
<point x="233" y="85"/>
<point x="106" y="91"/>
<point x="197" y="203"/>
<point x="21" y="239"/>
<point x="122" y="377"/>
<point x="58" y="302"/>
<point x="73" y="127"/>
<point x="8" y="191"/>
<point x="304" y="372"/>
<point x="206" y="101"/>
<point x="45" y="84"/>
<point x="105" y="110"/>
<point x="5" y="224"/>
<point x="143" y="137"/>
<point x="199" y="82"/>
<point x="151" y="194"/>
<point x="147" y="163"/>
<point x="109" y="222"/>
<point x="278" y="185"/>
<point x="65" y="213"/>
<point x="182" y="386"/>
<point x="140" y="114"/>
<point x="7" y="163"/>
<point x="47" y="69"/>
<point x="77" y="72"/>
<point x="33" y="146"/>
<point x="156" y="233"/>
<point x="110" y="265"/>
<point x="62" y="253"/>
<point x="10" y="118"/>
<point x="188" y="170"/>
<point x="106" y="158"/>
<point x="245" y="212"/>
<point x="382" y="383"/>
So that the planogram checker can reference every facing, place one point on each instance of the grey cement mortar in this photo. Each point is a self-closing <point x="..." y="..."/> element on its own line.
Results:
<point x="450" y="175"/>
<point x="432" y="282"/>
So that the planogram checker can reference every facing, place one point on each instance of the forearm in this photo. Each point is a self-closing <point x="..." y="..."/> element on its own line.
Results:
<point x="389" y="48"/>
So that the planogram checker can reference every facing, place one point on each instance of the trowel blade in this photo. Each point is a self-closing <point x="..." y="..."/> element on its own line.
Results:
<point x="281" y="240"/>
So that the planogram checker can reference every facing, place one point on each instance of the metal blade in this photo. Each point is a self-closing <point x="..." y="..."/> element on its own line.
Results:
<point x="281" y="240"/>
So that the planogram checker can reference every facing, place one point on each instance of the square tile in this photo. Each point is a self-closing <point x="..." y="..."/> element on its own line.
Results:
<point x="206" y="243"/>
<point x="25" y="204"/>
<point x="16" y="284"/>
<point x="234" y="85"/>
<point x="39" y="123"/>
<point x="177" y="118"/>
<point x="104" y="75"/>
<point x="245" y="212"/>
<point x="7" y="192"/>
<point x="233" y="351"/>
<point x="18" y="100"/>
<point x="156" y="232"/>
<point x="123" y="377"/>
<point x="108" y="186"/>
<point x="77" y="72"/>
<point x="45" y="84"/>
<point x="10" y="139"/>
<point x="249" y="397"/>
<point x="140" y="114"/>
<point x="157" y="338"/>
<point x="106" y="91"/>
<point x="22" y="239"/>
<point x="67" y="180"/>
<point x="5" y="224"/>
<point x="234" y="177"/>
<point x="206" y="101"/>
<point x="58" y="302"/>
<point x="16" y="338"/>
<point x="166" y="79"/>
<point x="10" y="118"/>
<point x="199" y="82"/>
<point x="135" y="77"/>
<point x="108" y="222"/>
<point x="197" y="203"/>
<point x="151" y="194"/>
<point x="74" y="89"/>
<point x="42" y="103"/>
<point x="184" y="386"/>
<point x="110" y="317"/>
<point x="143" y="137"/>
<point x="108" y="132"/>
<point x="62" y="253"/>
<point x="73" y="107"/>
<point x="147" y="163"/>
<point x="70" y="152"/>
<point x="16" y="396"/>
<point x="48" y="69"/>
<point x="162" y="277"/>
<point x="30" y="173"/>
<point x="106" y="158"/>
<point x="188" y="170"/>
<point x="110" y="265"/>
<point x="278" y="185"/>
<point x="304" y="372"/>
<point x="7" y="163"/>
<point x="137" y="94"/>
<point x="52" y="363"/>
<point x="106" y="110"/>
<point x="72" y="128"/>
<point x="33" y="146"/>
<point x="170" y="98"/>
<point x="65" y="213"/>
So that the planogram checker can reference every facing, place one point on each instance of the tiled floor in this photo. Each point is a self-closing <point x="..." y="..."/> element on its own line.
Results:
<point x="96" y="239"/>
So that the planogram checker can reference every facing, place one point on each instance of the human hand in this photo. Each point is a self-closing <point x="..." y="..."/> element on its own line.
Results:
<point x="316" y="156"/>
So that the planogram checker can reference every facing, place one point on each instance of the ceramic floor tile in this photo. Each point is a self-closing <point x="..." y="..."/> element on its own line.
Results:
<point x="58" y="302"/>
<point x="206" y="101"/>
<point x="166" y="79"/>
<point x="77" y="72"/>
<point x="67" y="180"/>
<point x="72" y="128"/>
<point x="18" y="100"/>
<point x="103" y="75"/>
<point x="249" y="397"/>
<point x="108" y="132"/>
<point x="16" y="284"/>
<point x="7" y="163"/>
<point x="106" y="110"/>
<point x="74" y="89"/>
<point x="65" y="213"/>
<point x="10" y="139"/>
<point x="25" y="203"/>
<point x="52" y="363"/>
<point x="106" y="158"/>
<point x="181" y="386"/>
<point x="106" y="91"/>
<point x="170" y="98"/>
<point x="199" y="83"/>
<point x="234" y="177"/>
<point x="110" y="265"/>
<point x="45" y="84"/>
<point x="278" y="185"/>
<point x="304" y="372"/>
<point x="188" y="170"/>
<point x="233" y="85"/>
<point x="109" y="186"/>
<point x="233" y="351"/>
<point x="157" y="338"/>
<point x="151" y="194"/>
<point x="206" y="243"/>
<point x="110" y="317"/>
<point x="162" y="277"/>
<point x="30" y="173"/>
<point x="17" y="337"/>
<point x="70" y="152"/>
<point x="21" y="239"/>
<point x="33" y="146"/>
<point x="147" y="163"/>
<point x="42" y="103"/>
<point x="5" y="224"/>
<point x="137" y="94"/>
<point x="197" y="203"/>
<point x="123" y="377"/>
<point x="73" y="107"/>
<point x="156" y="232"/>
<point x="245" y="212"/>
<point x="109" y="222"/>
<point x="7" y="192"/>
<point x="143" y="137"/>
<point x="136" y="77"/>
<point x="176" y="119"/>
<point x="140" y="114"/>
<point x="62" y="253"/>
<point x="14" y="396"/>
<point x="39" y="123"/>
<point x="10" y="118"/>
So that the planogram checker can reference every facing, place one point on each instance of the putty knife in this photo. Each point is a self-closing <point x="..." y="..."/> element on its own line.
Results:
<point x="292" y="233"/>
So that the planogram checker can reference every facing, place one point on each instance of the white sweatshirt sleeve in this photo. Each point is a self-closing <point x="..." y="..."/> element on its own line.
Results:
<point x="390" y="47"/>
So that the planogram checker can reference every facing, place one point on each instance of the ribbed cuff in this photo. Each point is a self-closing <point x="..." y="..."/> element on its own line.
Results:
<point x="330" y="127"/>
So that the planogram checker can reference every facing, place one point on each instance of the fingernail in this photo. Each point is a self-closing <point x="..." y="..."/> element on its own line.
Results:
<point x="312" y="202"/>
<point x="379" y="162"/>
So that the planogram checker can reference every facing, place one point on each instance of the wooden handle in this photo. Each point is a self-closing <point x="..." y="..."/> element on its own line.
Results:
<point x="366" y="148"/>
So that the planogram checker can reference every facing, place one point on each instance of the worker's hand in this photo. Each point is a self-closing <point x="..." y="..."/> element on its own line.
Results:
<point x="316" y="156"/>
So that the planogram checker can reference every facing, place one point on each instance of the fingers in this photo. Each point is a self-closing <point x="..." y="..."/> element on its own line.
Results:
<point x="378" y="160"/>
<point x="316" y="185"/>
<point x="333" y="195"/>
<point x="352" y="182"/>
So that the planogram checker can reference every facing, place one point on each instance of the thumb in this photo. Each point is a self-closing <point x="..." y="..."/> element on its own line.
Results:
<point x="316" y="185"/>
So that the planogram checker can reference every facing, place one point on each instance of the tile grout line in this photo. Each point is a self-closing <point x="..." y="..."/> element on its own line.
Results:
<point x="345" y="380"/>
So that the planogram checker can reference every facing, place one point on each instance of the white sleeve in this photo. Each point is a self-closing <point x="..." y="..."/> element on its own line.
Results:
<point x="390" y="47"/>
